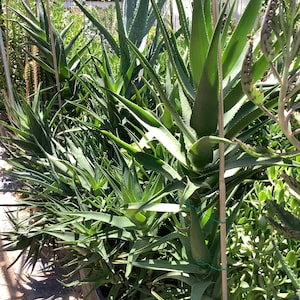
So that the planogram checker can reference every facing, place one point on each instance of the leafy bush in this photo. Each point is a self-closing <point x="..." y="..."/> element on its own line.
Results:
<point x="263" y="263"/>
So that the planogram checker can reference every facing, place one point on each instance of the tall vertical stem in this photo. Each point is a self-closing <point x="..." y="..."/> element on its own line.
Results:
<point x="222" y="186"/>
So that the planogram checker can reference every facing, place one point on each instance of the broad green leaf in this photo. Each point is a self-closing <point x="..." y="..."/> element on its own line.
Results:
<point x="149" y="247"/>
<point x="246" y="160"/>
<point x="158" y="207"/>
<point x="137" y="29"/>
<point x="129" y="13"/>
<point x="152" y="163"/>
<point x="201" y="153"/>
<point x="25" y="145"/>
<point x="292" y="258"/>
<point x="199" y="288"/>
<point x="120" y="142"/>
<point x="183" y="277"/>
<point x="38" y="130"/>
<point x="191" y="188"/>
<point x="64" y="236"/>
<point x="200" y="251"/>
<point x="82" y="162"/>
<point x="245" y="115"/>
<point x="133" y="256"/>
<point x="174" y="54"/>
<point x="208" y="15"/>
<point x="148" y="161"/>
<point x="204" y="117"/>
<point x="199" y="42"/>
<point x="60" y="165"/>
<point x="185" y="107"/>
<point x="153" y="206"/>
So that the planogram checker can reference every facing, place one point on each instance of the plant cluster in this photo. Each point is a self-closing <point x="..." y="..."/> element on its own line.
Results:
<point x="117" y="149"/>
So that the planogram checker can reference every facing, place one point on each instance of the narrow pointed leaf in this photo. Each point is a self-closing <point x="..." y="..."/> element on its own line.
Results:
<point x="156" y="82"/>
<point x="183" y="20"/>
<point x="117" y="221"/>
<point x="153" y="125"/>
<point x="160" y="265"/>
<point x="173" y="54"/>
<point x="101" y="28"/>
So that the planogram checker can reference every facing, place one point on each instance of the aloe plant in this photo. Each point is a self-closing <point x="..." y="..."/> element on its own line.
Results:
<point x="117" y="70"/>
<point x="190" y="138"/>
<point x="128" y="184"/>
<point x="40" y="64"/>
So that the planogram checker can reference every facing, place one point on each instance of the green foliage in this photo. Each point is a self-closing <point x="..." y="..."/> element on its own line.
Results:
<point x="264" y="263"/>
<point x="125" y="174"/>
<point x="38" y="32"/>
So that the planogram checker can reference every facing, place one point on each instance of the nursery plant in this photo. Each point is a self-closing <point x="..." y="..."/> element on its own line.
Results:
<point x="129" y="184"/>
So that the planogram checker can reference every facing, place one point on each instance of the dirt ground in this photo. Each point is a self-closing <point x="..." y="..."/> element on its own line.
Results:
<point x="16" y="280"/>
